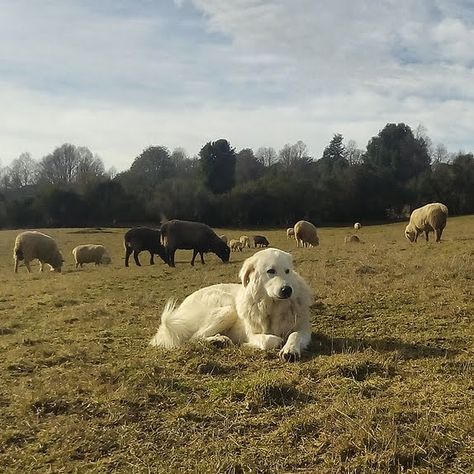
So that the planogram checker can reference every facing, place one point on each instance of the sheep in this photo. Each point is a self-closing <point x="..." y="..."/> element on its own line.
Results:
<point x="235" y="245"/>
<point x="306" y="234"/>
<point x="260" y="241"/>
<point x="90" y="253"/>
<point x="32" y="244"/>
<point x="245" y="241"/>
<point x="143" y="238"/>
<point x="357" y="226"/>
<point x="290" y="232"/>
<point x="224" y="238"/>
<point x="196" y="236"/>
<point x="348" y="239"/>
<point x="429" y="218"/>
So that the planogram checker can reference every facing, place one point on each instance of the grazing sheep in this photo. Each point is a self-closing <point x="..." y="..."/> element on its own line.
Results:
<point x="290" y="232"/>
<point x="90" y="253"/>
<point x="306" y="234"/>
<point x="235" y="245"/>
<point x="31" y="244"/>
<point x="348" y="239"/>
<point x="260" y="241"/>
<point x="224" y="238"/>
<point x="196" y="236"/>
<point x="143" y="238"/>
<point x="244" y="239"/>
<point x="357" y="226"/>
<point x="429" y="218"/>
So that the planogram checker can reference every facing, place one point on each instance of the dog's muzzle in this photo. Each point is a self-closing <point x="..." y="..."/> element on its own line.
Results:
<point x="285" y="292"/>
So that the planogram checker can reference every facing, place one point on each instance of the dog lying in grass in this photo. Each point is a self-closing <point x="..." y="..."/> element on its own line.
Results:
<point x="268" y="310"/>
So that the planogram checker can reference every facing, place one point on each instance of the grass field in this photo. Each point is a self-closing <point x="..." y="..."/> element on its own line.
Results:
<point x="387" y="385"/>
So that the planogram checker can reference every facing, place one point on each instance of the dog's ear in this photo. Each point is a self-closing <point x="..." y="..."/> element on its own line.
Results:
<point x="245" y="272"/>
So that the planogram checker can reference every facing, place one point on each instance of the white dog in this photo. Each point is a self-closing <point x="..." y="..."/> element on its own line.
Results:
<point x="270" y="309"/>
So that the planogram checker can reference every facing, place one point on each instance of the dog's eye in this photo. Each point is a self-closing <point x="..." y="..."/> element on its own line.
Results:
<point x="287" y="270"/>
<point x="271" y="271"/>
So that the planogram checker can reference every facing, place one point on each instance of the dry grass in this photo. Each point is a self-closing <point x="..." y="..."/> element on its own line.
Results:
<point x="387" y="385"/>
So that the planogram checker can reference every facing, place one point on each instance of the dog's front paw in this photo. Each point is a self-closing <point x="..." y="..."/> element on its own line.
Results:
<point x="290" y="354"/>
<point x="219" y="341"/>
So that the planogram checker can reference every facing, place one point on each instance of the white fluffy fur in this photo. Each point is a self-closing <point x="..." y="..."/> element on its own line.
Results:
<point x="252" y="313"/>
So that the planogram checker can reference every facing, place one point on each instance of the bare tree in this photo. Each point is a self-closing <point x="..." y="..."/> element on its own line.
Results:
<point x="23" y="171"/>
<point x="289" y="155"/>
<point x="266" y="155"/>
<point x="440" y="154"/>
<point x="69" y="164"/>
<point x="353" y="154"/>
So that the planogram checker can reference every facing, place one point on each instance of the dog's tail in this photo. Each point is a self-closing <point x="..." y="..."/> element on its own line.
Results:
<point x="173" y="330"/>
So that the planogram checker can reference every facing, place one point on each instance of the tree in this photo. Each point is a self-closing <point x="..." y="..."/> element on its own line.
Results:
<point x="23" y="171"/>
<point x="398" y="152"/>
<point x="90" y="168"/>
<point x="294" y="155"/>
<point x="60" y="166"/>
<point x="217" y="160"/>
<point x="266" y="155"/>
<point x="353" y="154"/>
<point x="247" y="167"/>
<point x="335" y="151"/>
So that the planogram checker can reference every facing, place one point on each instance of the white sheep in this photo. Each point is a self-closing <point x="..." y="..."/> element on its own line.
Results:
<point x="357" y="226"/>
<point x="245" y="241"/>
<point x="429" y="218"/>
<point x="235" y="245"/>
<point x="90" y="253"/>
<point x="224" y="238"/>
<point x="31" y="245"/>
<point x="306" y="234"/>
<point x="290" y="232"/>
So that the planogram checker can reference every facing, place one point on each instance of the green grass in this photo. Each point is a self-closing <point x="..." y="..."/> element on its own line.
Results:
<point x="387" y="385"/>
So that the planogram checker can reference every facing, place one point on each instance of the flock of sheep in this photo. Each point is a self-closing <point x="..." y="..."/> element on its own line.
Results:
<point x="200" y="238"/>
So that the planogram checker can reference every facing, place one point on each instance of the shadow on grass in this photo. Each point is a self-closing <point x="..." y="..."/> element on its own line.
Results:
<point x="324" y="345"/>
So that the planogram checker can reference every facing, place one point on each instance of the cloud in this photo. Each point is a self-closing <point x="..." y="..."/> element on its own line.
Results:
<point x="119" y="76"/>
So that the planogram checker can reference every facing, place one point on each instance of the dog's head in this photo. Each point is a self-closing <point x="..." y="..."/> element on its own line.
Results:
<point x="271" y="271"/>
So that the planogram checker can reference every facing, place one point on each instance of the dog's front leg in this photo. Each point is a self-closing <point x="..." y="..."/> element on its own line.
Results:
<point x="264" y="341"/>
<point x="296" y="342"/>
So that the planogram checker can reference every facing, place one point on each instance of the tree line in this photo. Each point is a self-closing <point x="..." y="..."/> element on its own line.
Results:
<point x="398" y="170"/>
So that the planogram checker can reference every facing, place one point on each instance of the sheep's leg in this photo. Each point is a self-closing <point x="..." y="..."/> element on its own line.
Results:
<point x="128" y="252"/>
<point x="438" y="234"/>
<point x="41" y="266"/>
<point x="16" y="265"/>
<point x="135" y="256"/>
<point x="152" y="262"/>
<point x="195" y="252"/>
<point x="202" y="257"/>
<point x="27" y="265"/>
<point x="426" y="235"/>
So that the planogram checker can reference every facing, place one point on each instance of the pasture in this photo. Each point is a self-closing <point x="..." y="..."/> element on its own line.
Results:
<point x="387" y="385"/>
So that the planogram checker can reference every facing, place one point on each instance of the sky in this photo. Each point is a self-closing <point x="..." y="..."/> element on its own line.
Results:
<point x="118" y="76"/>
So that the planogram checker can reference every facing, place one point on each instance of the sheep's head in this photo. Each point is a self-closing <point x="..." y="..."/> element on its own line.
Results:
<point x="105" y="259"/>
<point x="222" y="250"/>
<point x="410" y="232"/>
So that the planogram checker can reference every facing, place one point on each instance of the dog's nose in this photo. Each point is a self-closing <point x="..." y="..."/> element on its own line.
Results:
<point x="285" y="291"/>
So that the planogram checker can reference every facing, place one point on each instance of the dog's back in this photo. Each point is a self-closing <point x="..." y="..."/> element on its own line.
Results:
<point x="207" y="311"/>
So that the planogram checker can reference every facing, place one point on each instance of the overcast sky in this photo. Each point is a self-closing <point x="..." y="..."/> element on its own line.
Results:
<point x="120" y="75"/>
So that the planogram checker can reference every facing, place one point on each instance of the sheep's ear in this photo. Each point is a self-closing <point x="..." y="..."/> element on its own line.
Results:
<point x="245" y="272"/>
